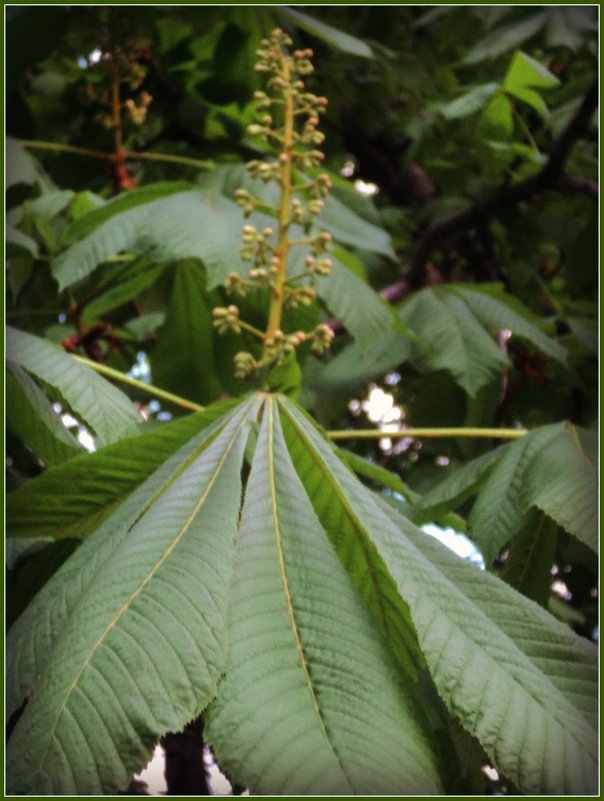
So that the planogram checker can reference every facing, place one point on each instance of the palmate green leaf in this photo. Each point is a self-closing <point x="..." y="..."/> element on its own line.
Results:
<point x="72" y="499"/>
<point x="44" y="618"/>
<point x="335" y="716"/>
<point x="455" y="339"/>
<point x="568" y="661"/>
<point x="518" y="680"/>
<point x="561" y="479"/>
<point x="136" y="624"/>
<point x="103" y="407"/>
<point x="116" y="648"/>
<point x="458" y="322"/>
<point x="183" y="360"/>
<point x="30" y="416"/>
<point x="183" y="225"/>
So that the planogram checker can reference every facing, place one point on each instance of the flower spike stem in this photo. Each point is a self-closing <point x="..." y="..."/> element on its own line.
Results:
<point x="278" y="290"/>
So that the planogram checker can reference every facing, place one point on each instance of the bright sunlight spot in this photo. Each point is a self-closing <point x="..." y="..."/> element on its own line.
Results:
<point x="366" y="187"/>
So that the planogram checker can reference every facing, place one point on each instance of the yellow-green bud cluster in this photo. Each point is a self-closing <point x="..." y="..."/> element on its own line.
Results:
<point x="235" y="285"/>
<point x="280" y="345"/>
<point x="264" y="170"/>
<point x="226" y="319"/>
<point x="322" y="337"/>
<point x="299" y="296"/>
<point x="245" y="365"/>
<point x="247" y="202"/>
<point x="320" y="243"/>
<point x="256" y="247"/>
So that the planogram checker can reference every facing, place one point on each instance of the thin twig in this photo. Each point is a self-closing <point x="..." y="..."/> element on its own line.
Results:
<point x="373" y="433"/>
<point x="128" y="155"/>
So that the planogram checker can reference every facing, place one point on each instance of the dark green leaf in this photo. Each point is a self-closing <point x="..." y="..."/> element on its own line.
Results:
<point x="104" y="408"/>
<point x="183" y="360"/>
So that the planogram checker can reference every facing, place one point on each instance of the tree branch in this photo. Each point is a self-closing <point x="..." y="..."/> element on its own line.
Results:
<point x="577" y="183"/>
<point x="551" y="176"/>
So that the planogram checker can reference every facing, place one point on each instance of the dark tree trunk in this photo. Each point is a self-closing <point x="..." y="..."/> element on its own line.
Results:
<point x="185" y="770"/>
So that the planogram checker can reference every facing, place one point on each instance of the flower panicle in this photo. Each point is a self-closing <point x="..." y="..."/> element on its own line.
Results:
<point x="289" y="123"/>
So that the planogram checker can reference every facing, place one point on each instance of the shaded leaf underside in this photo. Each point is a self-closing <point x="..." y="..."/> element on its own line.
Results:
<point x="318" y="604"/>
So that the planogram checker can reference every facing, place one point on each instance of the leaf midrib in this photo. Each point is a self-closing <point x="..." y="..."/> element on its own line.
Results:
<point x="364" y="539"/>
<point x="290" y="608"/>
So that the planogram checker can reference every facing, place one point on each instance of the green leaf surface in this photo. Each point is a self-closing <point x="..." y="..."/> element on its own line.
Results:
<point x="352" y="300"/>
<point x="303" y="648"/>
<point x="460" y="483"/>
<point x="349" y="228"/>
<point x="355" y="365"/>
<point x="160" y="572"/>
<point x="183" y="360"/>
<point x="343" y="223"/>
<point x="332" y="36"/>
<point x="526" y="74"/>
<point x="455" y="339"/>
<point x="377" y="474"/>
<point x="497" y="310"/>
<point x="101" y="406"/>
<point x="23" y="168"/>
<point x="30" y="416"/>
<point x="140" y="276"/>
<point x="50" y="204"/>
<point x="528" y="567"/>
<point x="470" y="102"/>
<point x="71" y="500"/>
<point x="18" y="244"/>
<point x="183" y="225"/>
<point x="351" y="540"/>
<point x="517" y="680"/>
<point x="504" y="38"/>
<point x="85" y="224"/>
<point x="498" y="513"/>
<point x="31" y="573"/>
<point x="567" y="661"/>
<point x="562" y="481"/>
